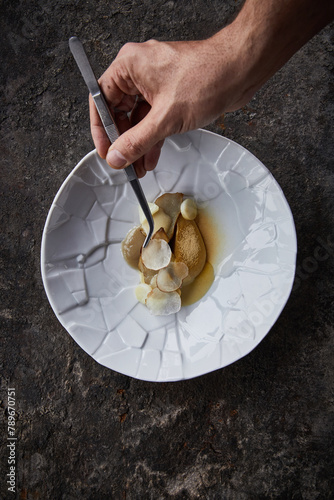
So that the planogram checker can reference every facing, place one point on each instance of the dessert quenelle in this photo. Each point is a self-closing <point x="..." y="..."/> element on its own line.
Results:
<point x="174" y="268"/>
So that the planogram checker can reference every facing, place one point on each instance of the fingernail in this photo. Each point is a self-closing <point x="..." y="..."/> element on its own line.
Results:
<point x="115" y="158"/>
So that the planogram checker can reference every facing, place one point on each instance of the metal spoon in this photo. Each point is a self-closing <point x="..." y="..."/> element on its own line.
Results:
<point x="109" y="124"/>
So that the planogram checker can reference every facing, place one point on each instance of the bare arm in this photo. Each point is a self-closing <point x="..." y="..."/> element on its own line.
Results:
<point x="185" y="85"/>
<point x="273" y="31"/>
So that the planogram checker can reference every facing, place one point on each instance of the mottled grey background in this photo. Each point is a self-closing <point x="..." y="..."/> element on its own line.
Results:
<point x="262" y="428"/>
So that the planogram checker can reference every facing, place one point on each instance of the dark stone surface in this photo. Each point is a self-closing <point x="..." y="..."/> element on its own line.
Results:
<point x="262" y="428"/>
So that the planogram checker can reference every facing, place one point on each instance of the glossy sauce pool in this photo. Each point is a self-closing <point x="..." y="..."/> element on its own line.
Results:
<point x="213" y="239"/>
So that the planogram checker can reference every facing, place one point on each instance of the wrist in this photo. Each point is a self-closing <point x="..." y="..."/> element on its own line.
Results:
<point x="238" y="53"/>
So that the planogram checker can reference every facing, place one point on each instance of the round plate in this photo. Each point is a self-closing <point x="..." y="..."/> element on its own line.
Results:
<point x="91" y="288"/>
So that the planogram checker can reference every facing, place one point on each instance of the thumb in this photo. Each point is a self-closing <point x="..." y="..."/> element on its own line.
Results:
<point x="135" y="142"/>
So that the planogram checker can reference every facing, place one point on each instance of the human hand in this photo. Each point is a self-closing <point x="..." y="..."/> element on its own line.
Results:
<point x="180" y="88"/>
<point x="185" y="85"/>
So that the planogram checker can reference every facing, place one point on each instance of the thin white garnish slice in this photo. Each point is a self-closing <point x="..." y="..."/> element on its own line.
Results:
<point x="156" y="255"/>
<point x="170" y="278"/>
<point x="142" y="292"/>
<point x="153" y="281"/>
<point x="162" y="304"/>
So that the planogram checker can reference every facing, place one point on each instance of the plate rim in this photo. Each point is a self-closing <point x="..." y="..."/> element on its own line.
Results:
<point x="253" y="345"/>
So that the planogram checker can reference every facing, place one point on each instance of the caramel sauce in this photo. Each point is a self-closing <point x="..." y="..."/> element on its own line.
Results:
<point x="211" y="233"/>
<point x="197" y="289"/>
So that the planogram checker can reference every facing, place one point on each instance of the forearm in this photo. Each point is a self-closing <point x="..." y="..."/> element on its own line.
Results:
<point x="267" y="33"/>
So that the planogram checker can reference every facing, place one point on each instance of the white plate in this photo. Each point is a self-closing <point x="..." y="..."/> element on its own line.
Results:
<point x="91" y="288"/>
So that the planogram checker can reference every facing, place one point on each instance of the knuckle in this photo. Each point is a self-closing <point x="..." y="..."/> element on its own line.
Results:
<point x="128" y="48"/>
<point x="151" y="42"/>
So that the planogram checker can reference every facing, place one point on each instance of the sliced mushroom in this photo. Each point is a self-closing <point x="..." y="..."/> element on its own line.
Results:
<point x="146" y="273"/>
<point x="153" y="209"/>
<point x="170" y="203"/>
<point x="142" y="292"/>
<point x="162" y="304"/>
<point x="132" y="245"/>
<point x="160" y="219"/>
<point x="170" y="278"/>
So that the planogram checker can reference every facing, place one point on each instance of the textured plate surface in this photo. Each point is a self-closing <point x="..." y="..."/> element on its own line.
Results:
<point x="91" y="288"/>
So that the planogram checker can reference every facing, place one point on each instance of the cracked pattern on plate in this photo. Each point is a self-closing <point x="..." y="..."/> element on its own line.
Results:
<point x="91" y="288"/>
